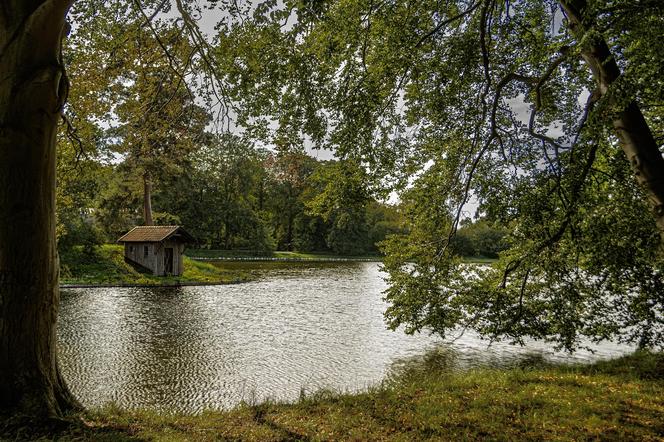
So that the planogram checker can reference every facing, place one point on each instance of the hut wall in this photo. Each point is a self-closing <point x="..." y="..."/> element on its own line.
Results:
<point x="180" y="259"/>
<point x="143" y="253"/>
<point x="156" y="251"/>
<point x="178" y="264"/>
<point x="159" y="259"/>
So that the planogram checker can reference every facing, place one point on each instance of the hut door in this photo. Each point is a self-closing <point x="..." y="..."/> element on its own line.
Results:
<point x="168" y="260"/>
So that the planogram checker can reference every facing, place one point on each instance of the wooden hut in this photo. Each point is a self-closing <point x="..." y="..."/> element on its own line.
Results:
<point x="158" y="249"/>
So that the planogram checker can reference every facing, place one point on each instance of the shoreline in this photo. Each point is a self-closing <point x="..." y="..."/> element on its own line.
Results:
<point x="166" y="285"/>
<point x="315" y="258"/>
<point x="106" y="267"/>
<point x="283" y="259"/>
<point x="617" y="399"/>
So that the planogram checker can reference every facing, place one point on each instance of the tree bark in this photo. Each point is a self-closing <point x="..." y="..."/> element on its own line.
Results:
<point x="147" y="199"/>
<point x="33" y="89"/>
<point x="636" y="138"/>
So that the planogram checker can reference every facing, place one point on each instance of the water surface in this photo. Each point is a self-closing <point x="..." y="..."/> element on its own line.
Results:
<point x="300" y="327"/>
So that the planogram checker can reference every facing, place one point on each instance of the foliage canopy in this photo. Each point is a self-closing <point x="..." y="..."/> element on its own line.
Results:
<point x="515" y="104"/>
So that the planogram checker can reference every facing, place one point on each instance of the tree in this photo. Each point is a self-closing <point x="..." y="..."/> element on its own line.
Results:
<point x="340" y="198"/>
<point x="84" y="171"/>
<point x="287" y="173"/>
<point x="160" y="123"/>
<point x="33" y="91"/>
<point x="444" y="101"/>
<point x="118" y="205"/>
<point x="384" y="220"/>
<point x="79" y="181"/>
<point x="223" y="200"/>
<point x="479" y="238"/>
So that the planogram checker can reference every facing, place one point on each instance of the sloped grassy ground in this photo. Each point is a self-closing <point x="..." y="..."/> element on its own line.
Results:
<point x="616" y="400"/>
<point x="322" y="256"/>
<point x="106" y="265"/>
<point x="245" y="254"/>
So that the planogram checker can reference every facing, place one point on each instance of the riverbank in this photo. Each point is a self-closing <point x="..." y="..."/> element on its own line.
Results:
<point x="239" y="255"/>
<point x="106" y="267"/>
<point x="621" y="399"/>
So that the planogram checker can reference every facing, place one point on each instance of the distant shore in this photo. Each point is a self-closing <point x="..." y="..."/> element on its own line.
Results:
<point x="249" y="255"/>
<point x="285" y="259"/>
<point x="105" y="267"/>
<point x="163" y="285"/>
<point x="284" y="256"/>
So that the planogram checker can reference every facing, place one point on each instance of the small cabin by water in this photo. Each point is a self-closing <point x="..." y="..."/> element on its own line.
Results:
<point x="158" y="249"/>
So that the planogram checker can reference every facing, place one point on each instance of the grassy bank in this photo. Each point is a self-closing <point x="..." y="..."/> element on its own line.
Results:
<point x="244" y="254"/>
<point x="616" y="400"/>
<point x="308" y="256"/>
<point x="106" y="265"/>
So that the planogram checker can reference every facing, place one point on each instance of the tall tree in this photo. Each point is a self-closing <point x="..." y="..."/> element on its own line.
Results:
<point x="340" y="197"/>
<point x="33" y="90"/>
<point x="636" y="139"/>
<point x="224" y="203"/>
<point x="288" y="170"/>
<point x="160" y="122"/>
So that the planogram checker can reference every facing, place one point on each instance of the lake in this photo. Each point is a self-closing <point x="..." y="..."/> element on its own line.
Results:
<point x="300" y="327"/>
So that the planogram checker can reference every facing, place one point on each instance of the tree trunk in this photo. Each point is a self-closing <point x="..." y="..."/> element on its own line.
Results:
<point x="636" y="138"/>
<point x="289" y="232"/>
<point x="261" y="194"/>
<point x="227" y="237"/>
<point x="147" y="199"/>
<point x="33" y="89"/>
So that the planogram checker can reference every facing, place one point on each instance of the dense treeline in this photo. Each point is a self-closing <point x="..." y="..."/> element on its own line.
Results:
<point x="480" y="238"/>
<point x="138" y="149"/>
<point x="231" y="196"/>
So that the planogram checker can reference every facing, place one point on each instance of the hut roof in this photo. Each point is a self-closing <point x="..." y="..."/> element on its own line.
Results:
<point x="156" y="234"/>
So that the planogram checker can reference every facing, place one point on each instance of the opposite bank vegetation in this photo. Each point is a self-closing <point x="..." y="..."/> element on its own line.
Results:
<point x="622" y="399"/>
<point x="105" y="265"/>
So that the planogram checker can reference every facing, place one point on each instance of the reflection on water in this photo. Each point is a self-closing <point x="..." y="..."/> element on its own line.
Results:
<point x="303" y="326"/>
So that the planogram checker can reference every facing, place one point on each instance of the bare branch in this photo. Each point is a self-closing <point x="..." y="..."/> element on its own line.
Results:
<point x="444" y="23"/>
<point x="203" y="47"/>
<point x="171" y="60"/>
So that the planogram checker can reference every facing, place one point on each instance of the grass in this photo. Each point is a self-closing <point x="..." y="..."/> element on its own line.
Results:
<point x="240" y="254"/>
<point x="322" y="256"/>
<point x="210" y="253"/>
<point x="615" y="400"/>
<point x="106" y="265"/>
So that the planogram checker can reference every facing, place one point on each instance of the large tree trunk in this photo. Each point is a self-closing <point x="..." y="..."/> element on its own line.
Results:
<point x="147" y="199"/>
<point x="636" y="138"/>
<point x="33" y="89"/>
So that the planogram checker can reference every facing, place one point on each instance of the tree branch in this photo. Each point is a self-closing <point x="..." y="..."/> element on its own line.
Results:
<point x="444" y="23"/>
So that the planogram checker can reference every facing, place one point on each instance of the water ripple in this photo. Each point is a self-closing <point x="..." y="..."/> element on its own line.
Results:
<point x="300" y="327"/>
